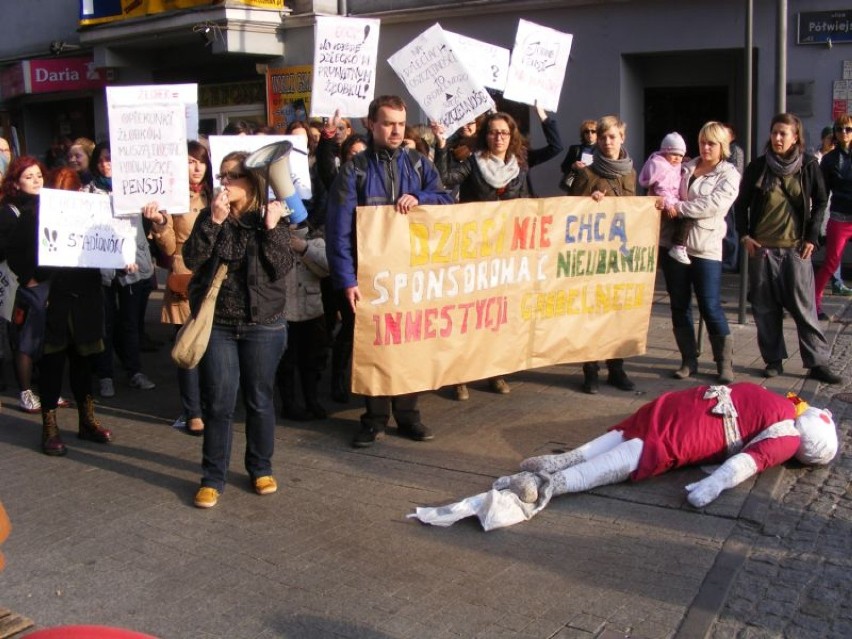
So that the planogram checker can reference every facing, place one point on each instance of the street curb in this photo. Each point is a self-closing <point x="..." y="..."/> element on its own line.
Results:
<point x="713" y="593"/>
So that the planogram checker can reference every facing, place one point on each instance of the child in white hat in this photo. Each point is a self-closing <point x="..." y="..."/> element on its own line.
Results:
<point x="661" y="176"/>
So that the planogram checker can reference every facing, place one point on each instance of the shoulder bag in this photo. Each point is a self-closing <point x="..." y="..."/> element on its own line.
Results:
<point x="192" y="338"/>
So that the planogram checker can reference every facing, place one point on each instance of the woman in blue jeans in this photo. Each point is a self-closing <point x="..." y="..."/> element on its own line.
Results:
<point x="708" y="188"/>
<point x="249" y="329"/>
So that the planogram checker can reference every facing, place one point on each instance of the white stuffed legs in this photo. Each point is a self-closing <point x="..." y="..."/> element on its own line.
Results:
<point x="612" y="466"/>
<point x="552" y="463"/>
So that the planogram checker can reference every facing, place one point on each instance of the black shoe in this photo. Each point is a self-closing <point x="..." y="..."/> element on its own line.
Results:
<point x="618" y="378"/>
<point x="824" y="374"/>
<point x="773" y="369"/>
<point x="590" y="379"/>
<point x="367" y="436"/>
<point x="418" y="432"/>
<point x="822" y="317"/>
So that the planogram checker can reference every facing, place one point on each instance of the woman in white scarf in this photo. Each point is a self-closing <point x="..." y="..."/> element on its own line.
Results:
<point x="497" y="170"/>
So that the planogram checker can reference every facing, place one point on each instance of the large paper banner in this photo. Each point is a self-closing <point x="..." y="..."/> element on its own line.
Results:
<point x="8" y="288"/>
<point x="452" y="294"/>
<point x="300" y="173"/>
<point x="537" y="69"/>
<point x="78" y="229"/>
<point x="486" y="62"/>
<point x="344" y="66"/>
<point x="440" y="83"/>
<point x="288" y="95"/>
<point x="148" y="134"/>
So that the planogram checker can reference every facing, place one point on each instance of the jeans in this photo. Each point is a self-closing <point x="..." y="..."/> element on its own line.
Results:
<point x="703" y="276"/>
<point x="239" y="356"/>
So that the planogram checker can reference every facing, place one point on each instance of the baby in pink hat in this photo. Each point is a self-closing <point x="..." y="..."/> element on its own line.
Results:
<point x="661" y="176"/>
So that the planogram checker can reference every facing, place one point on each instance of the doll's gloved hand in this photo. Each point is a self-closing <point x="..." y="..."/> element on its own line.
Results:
<point x="703" y="492"/>
<point x="525" y="485"/>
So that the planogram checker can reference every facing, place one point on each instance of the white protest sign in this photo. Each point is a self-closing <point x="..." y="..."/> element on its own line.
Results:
<point x="8" y="289"/>
<point x="344" y="75"/>
<point x="487" y="62"/>
<point x="222" y="145"/>
<point x="439" y="82"/>
<point x="148" y="149"/>
<point x="186" y="94"/>
<point x="78" y="229"/>
<point x="537" y="69"/>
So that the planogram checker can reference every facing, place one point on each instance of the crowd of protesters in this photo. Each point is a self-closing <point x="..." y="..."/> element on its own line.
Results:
<point x="287" y="303"/>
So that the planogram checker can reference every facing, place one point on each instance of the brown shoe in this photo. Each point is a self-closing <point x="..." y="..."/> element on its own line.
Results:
<point x="499" y="385"/>
<point x="195" y="426"/>
<point x="90" y="428"/>
<point x="51" y="441"/>
<point x="462" y="394"/>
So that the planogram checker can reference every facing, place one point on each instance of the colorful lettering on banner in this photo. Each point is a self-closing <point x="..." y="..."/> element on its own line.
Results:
<point x="469" y="291"/>
<point x="345" y="58"/>
<point x="288" y="95"/>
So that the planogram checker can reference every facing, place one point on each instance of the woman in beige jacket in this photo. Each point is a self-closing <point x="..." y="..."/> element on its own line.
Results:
<point x="170" y="232"/>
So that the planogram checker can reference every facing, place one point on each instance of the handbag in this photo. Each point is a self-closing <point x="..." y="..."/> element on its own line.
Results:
<point x="192" y="338"/>
<point x="178" y="284"/>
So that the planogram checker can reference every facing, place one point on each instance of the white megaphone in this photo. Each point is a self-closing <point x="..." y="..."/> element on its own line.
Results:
<point x="273" y="161"/>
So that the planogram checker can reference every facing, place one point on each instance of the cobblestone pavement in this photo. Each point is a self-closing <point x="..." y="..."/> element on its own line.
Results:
<point x="796" y="581"/>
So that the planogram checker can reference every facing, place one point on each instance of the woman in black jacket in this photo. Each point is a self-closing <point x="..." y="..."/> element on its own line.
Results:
<point x="778" y="212"/>
<point x="249" y="328"/>
<point x="497" y="170"/>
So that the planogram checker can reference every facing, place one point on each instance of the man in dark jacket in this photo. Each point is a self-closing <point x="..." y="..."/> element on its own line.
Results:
<point x="384" y="174"/>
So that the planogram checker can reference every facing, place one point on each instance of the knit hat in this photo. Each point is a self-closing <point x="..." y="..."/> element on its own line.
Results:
<point x="673" y="143"/>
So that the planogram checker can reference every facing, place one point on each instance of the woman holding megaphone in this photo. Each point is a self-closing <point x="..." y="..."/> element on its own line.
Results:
<point x="249" y="328"/>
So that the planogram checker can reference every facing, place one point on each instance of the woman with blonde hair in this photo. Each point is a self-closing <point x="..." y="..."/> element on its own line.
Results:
<point x="80" y="157"/>
<point x="708" y="188"/>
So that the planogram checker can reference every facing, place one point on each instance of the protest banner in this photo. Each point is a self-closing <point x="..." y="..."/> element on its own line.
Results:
<point x="8" y="289"/>
<point x="451" y="294"/>
<point x="221" y="145"/>
<point x="440" y="83"/>
<point x="78" y="229"/>
<point x="485" y="61"/>
<point x="344" y="66"/>
<point x="148" y="134"/>
<point x="288" y="95"/>
<point x="538" y="65"/>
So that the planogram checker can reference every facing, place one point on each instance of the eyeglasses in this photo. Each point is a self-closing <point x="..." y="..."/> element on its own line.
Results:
<point x="500" y="134"/>
<point x="230" y="176"/>
<point x="843" y="129"/>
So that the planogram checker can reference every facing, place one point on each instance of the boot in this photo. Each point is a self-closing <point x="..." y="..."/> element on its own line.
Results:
<point x="590" y="378"/>
<point x="685" y="338"/>
<point x="51" y="441"/>
<point x="617" y="377"/>
<point x="310" y="394"/>
<point x="341" y="354"/>
<point x="90" y="428"/>
<point x="723" y="353"/>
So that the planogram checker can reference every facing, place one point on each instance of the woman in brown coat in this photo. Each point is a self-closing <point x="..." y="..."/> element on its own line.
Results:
<point x="610" y="173"/>
<point x="170" y="232"/>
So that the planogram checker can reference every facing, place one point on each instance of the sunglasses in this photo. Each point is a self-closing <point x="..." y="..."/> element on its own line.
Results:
<point x="230" y="176"/>
<point x="843" y="129"/>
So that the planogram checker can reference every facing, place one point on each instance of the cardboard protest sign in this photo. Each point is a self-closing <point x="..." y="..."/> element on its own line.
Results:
<point x="8" y="289"/>
<point x="451" y="294"/>
<point x="440" y="83"/>
<point x="539" y="62"/>
<point x="344" y="66"/>
<point x="78" y="229"/>
<point x="147" y="132"/>
<point x="487" y="62"/>
<point x="221" y="145"/>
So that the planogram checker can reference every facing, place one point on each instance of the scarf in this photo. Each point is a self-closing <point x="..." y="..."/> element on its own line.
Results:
<point x="103" y="183"/>
<point x="777" y="167"/>
<point x="496" y="172"/>
<point x="611" y="169"/>
<point x="196" y="188"/>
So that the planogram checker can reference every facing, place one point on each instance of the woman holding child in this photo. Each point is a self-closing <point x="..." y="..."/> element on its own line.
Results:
<point x="708" y="188"/>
